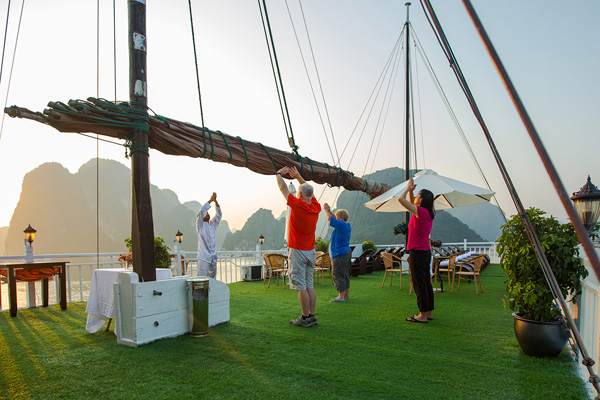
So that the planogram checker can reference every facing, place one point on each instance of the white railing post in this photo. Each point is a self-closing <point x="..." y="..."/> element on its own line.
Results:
<point x="30" y="288"/>
<point x="177" y="249"/>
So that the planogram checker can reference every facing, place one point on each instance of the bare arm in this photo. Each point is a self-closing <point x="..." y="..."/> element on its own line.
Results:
<point x="328" y="212"/>
<point x="285" y="191"/>
<point x="410" y="187"/>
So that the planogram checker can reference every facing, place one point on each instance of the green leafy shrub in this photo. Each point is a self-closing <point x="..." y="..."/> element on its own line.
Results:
<point x="368" y="245"/>
<point x="161" y="252"/>
<point x="321" y="245"/>
<point x="528" y="291"/>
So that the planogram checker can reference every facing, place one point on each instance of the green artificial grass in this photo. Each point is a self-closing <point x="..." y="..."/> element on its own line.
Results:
<point x="361" y="349"/>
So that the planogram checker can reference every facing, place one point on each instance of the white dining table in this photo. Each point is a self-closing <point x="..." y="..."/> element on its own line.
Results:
<point x="101" y="301"/>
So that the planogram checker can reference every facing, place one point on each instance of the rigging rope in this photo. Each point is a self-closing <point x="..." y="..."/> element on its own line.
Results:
<point x="418" y="97"/>
<point x="339" y="162"/>
<point x="12" y="66"/>
<point x="437" y="84"/>
<point x="387" y="98"/>
<point x="277" y="76"/>
<point x="389" y="67"/>
<point x="530" y="231"/>
<point x="4" y="44"/>
<point x="197" y="73"/>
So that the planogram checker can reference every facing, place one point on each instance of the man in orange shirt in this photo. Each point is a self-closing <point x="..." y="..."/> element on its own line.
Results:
<point x="304" y="214"/>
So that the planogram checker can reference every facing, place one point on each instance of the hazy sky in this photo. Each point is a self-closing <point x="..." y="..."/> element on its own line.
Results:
<point x="550" y="49"/>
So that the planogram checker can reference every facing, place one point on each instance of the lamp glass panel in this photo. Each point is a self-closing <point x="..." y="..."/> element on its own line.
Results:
<point x="588" y="210"/>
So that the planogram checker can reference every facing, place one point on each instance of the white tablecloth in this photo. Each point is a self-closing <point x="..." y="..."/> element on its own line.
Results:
<point x="101" y="301"/>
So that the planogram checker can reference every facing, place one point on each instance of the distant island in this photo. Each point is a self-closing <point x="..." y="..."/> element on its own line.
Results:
<point x="66" y="218"/>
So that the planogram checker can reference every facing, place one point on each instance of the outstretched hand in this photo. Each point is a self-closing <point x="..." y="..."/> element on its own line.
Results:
<point x="213" y="197"/>
<point x="294" y="172"/>
<point x="411" y="185"/>
<point x="284" y="171"/>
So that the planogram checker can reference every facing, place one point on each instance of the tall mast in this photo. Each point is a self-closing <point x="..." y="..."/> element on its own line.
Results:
<point x="142" y="225"/>
<point x="407" y="112"/>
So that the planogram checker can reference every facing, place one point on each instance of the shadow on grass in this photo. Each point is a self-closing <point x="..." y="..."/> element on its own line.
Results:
<point x="360" y="349"/>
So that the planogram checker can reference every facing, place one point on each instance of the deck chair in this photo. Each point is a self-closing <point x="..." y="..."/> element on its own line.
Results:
<point x="323" y="264"/>
<point x="390" y="261"/>
<point x="276" y="266"/>
<point x="358" y="265"/>
<point x="448" y="269"/>
<point x="475" y="272"/>
<point x="374" y="262"/>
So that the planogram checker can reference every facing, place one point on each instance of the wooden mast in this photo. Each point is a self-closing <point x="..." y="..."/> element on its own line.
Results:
<point x="142" y="224"/>
<point x="407" y="111"/>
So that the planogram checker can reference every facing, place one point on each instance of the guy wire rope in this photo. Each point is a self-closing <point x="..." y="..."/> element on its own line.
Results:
<point x="4" y="44"/>
<point x="453" y="117"/>
<point x="536" y="245"/>
<point x="387" y="99"/>
<point x="198" y="77"/>
<point x="389" y="68"/>
<point x="378" y="84"/>
<point x="12" y="65"/>
<point x="338" y="162"/>
<point x="277" y="75"/>
<point x="337" y="155"/>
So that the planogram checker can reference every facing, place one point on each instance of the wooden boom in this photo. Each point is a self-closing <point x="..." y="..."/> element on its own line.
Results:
<point x="184" y="139"/>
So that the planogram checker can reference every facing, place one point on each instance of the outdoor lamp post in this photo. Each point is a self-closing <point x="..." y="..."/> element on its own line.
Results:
<point x="178" y="257"/>
<point x="30" y="288"/>
<point x="29" y="234"/>
<point x="261" y="241"/>
<point x="587" y="204"/>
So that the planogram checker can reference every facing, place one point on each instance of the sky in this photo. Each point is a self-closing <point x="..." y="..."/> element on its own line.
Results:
<point x="549" y="48"/>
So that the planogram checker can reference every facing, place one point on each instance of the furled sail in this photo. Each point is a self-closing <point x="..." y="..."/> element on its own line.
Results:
<point x="119" y="120"/>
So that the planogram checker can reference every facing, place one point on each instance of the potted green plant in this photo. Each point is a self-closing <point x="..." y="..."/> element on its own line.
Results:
<point x="161" y="253"/>
<point x="538" y="322"/>
<point x="322" y="245"/>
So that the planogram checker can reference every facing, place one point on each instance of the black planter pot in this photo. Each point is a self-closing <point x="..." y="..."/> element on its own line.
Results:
<point x="539" y="339"/>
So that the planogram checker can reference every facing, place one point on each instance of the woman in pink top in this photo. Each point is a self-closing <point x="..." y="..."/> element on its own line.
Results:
<point x="419" y="249"/>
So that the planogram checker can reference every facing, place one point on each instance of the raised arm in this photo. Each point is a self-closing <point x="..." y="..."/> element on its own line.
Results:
<point x="214" y="200"/>
<point x="285" y="191"/>
<point x="410" y="187"/>
<point x="328" y="213"/>
<point x="218" y="214"/>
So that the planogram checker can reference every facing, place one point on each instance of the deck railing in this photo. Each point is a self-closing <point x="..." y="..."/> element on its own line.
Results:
<point x="232" y="266"/>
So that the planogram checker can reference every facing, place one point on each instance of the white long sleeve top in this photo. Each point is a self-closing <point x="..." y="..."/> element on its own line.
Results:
<point x="207" y="232"/>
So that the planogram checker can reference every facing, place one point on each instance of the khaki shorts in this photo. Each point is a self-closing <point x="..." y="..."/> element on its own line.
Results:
<point x="301" y="268"/>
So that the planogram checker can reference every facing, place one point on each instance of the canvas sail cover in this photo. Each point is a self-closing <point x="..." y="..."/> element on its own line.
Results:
<point x="120" y="120"/>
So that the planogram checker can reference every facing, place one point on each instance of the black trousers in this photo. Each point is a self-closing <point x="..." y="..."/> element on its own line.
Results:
<point x="419" y="262"/>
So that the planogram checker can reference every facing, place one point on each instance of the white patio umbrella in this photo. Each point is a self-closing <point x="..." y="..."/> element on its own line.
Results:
<point x="448" y="192"/>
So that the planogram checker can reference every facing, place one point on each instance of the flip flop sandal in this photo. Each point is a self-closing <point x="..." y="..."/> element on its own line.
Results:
<point x="413" y="319"/>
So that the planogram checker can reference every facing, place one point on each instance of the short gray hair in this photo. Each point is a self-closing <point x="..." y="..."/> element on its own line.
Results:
<point x="307" y="190"/>
<point x="342" y="214"/>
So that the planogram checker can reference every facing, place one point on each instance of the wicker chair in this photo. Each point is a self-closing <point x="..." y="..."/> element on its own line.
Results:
<point x="388" y="261"/>
<point x="276" y="266"/>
